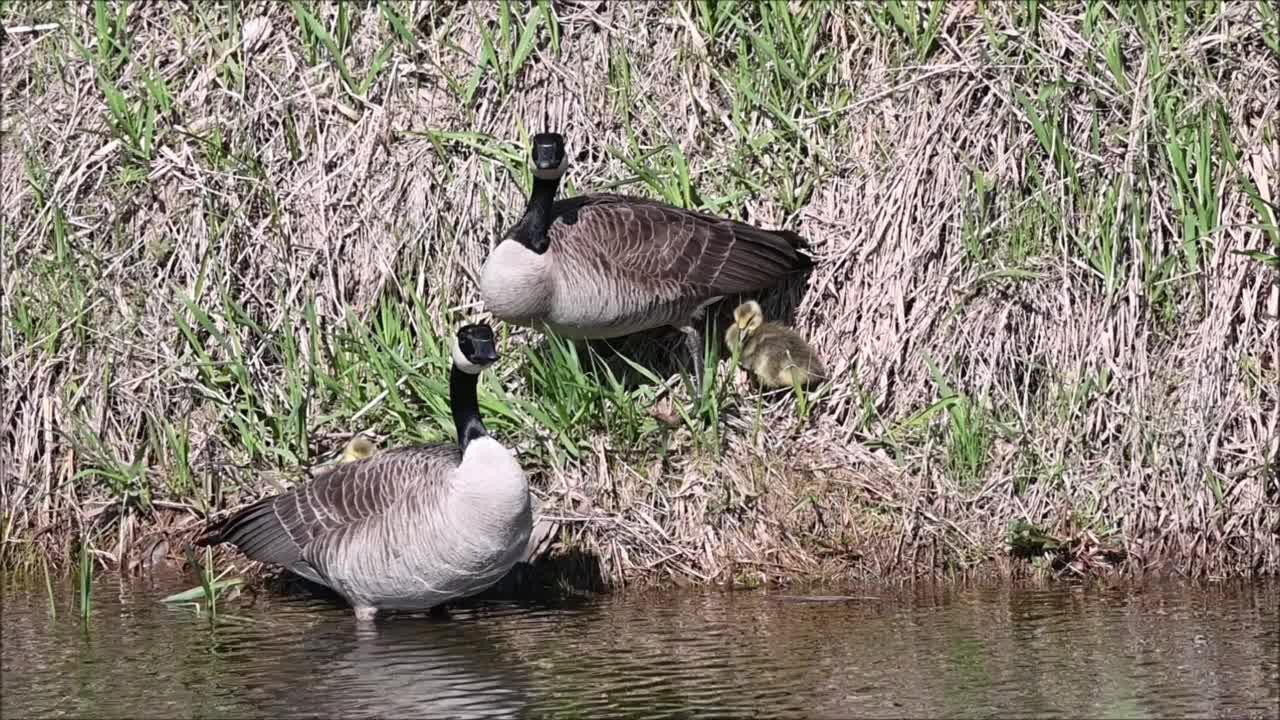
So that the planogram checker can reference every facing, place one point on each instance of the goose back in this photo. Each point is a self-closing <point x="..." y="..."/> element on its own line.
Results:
<point x="616" y="265"/>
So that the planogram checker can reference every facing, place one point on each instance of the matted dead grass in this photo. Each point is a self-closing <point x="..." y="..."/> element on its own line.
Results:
<point x="1131" y="414"/>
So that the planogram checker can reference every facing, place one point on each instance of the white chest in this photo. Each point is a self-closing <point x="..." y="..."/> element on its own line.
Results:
<point x="516" y="283"/>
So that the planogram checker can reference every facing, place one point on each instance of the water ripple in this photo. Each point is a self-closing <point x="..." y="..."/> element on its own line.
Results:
<point x="1059" y="653"/>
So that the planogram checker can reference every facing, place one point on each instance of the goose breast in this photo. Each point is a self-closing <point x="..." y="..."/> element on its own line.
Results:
<point x="408" y="528"/>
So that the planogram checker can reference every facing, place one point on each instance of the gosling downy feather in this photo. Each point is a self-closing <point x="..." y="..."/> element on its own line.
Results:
<point x="358" y="448"/>
<point x="605" y="265"/>
<point x="776" y="355"/>
<point x="408" y="528"/>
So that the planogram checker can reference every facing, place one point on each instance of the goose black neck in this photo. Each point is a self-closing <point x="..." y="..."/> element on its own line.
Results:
<point x="465" y="407"/>
<point x="538" y="213"/>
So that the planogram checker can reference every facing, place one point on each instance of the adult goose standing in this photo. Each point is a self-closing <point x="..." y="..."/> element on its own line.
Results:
<point x="604" y="265"/>
<point x="407" y="528"/>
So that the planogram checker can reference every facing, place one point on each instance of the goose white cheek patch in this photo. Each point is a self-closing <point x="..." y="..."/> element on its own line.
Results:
<point x="554" y="172"/>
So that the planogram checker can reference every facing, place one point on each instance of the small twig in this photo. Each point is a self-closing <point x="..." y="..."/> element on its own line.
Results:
<point x="25" y="29"/>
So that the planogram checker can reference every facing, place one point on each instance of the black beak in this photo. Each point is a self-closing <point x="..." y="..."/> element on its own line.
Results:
<point x="548" y="150"/>
<point x="478" y="344"/>
<point x="484" y="351"/>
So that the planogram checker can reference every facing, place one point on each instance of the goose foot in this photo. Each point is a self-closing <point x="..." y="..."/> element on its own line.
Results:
<point x="663" y="411"/>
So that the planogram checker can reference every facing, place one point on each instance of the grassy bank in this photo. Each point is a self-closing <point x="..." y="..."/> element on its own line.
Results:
<point x="1046" y="284"/>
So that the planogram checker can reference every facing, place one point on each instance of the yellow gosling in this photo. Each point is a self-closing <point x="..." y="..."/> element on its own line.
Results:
<point x="776" y="355"/>
<point x="358" y="448"/>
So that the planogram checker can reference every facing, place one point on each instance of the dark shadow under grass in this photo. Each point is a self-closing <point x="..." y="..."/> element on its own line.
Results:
<point x="558" y="576"/>
<point x="661" y="351"/>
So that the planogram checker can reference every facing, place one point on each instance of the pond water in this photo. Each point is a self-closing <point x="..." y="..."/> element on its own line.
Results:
<point x="1168" y="651"/>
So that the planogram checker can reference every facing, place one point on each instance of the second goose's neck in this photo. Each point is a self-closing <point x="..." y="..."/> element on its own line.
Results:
<point x="538" y="213"/>
<point x="465" y="407"/>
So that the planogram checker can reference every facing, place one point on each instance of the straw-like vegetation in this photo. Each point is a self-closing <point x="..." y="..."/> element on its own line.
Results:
<point x="236" y="233"/>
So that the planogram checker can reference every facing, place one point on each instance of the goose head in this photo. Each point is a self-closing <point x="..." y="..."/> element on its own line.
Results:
<point x="358" y="448"/>
<point x="748" y="316"/>
<point x="550" y="161"/>
<point x="474" y="348"/>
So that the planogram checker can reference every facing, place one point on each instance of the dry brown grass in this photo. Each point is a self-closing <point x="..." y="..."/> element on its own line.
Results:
<point x="1130" y="412"/>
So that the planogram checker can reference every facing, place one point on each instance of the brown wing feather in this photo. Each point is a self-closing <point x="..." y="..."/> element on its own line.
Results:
<point x="280" y="529"/>
<point x="658" y="244"/>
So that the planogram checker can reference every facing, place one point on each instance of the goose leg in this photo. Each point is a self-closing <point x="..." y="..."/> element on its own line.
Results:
<point x="693" y="341"/>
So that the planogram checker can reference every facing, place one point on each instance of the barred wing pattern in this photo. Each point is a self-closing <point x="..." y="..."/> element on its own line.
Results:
<point x="294" y="529"/>
<point x="674" y="252"/>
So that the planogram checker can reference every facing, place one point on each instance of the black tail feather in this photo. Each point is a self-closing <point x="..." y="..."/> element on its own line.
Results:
<point x="212" y="534"/>
<point x="800" y="245"/>
<point x="257" y="531"/>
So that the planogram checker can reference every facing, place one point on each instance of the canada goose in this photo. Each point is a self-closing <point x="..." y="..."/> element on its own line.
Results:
<point x="778" y="356"/>
<point x="358" y="448"/>
<point x="408" y="528"/>
<point x="604" y="266"/>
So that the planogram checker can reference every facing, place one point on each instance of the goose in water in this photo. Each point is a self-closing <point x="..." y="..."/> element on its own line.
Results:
<point x="603" y="265"/>
<point x="778" y="356"/>
<point x="408" y="528"/>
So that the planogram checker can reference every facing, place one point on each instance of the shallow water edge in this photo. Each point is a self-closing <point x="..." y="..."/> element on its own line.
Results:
<point x="927" y="650"/>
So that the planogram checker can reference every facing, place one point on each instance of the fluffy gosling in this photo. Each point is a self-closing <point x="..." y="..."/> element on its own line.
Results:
<point x="778" y="356"/>
<point x="358" y="448"/>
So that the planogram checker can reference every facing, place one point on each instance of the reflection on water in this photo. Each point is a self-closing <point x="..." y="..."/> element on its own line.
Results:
<point x="1164" y="652"/>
